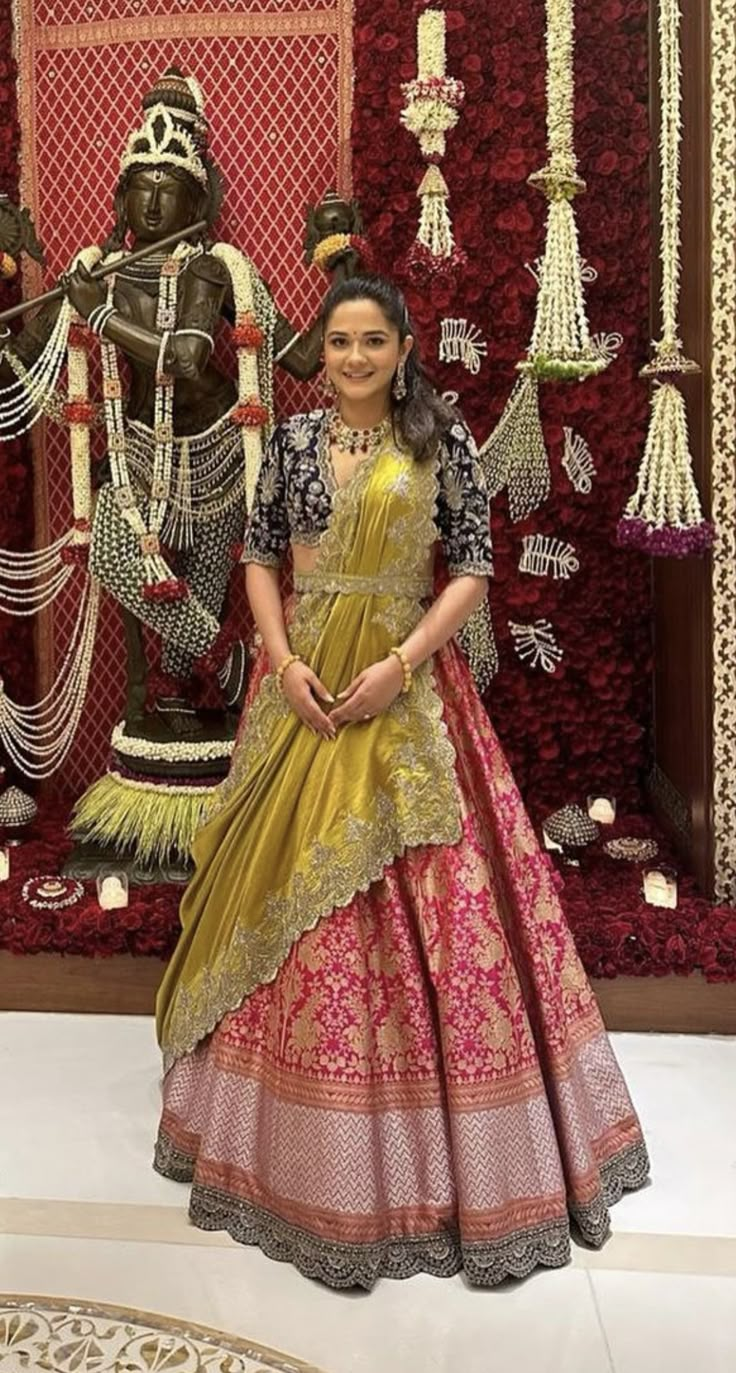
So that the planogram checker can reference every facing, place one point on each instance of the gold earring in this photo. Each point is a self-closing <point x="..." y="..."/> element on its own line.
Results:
<point x="399" y="386"/>
<point x="328" y="387"/>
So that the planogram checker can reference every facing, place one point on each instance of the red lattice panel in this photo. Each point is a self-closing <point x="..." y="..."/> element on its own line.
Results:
<point x="272" y="101"/>
<point x="53" y="12"/>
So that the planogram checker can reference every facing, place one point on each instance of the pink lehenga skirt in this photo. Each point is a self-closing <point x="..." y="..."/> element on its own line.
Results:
<point x="427" y="1085"/>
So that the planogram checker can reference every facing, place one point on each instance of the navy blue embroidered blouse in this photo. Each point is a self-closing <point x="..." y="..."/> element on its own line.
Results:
<point x="293" y="500"/>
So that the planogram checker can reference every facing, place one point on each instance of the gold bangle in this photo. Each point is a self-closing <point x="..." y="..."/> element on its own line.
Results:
<point x="283" y="665"/>
<point x="405" y="668"/>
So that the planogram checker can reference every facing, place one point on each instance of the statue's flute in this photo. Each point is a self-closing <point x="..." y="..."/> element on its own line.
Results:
<point x="59" y="291"/>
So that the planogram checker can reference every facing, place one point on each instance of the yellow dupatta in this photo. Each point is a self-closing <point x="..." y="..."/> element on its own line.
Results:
<point x="304" y="823"/>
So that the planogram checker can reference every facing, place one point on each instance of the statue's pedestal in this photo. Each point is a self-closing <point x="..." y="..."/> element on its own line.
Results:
<point x="141" y="817"/>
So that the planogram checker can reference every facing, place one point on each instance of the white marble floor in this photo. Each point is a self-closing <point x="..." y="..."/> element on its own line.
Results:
<point x="82" y="1215"/>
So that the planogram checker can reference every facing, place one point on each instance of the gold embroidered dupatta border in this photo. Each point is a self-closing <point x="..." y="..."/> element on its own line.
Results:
<point x="397" y="770"/>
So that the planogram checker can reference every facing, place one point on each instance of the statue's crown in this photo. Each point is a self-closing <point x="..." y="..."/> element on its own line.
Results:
<point x="174" y="131"/>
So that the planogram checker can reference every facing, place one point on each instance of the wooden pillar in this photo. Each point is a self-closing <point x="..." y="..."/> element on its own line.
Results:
<point x="682" y="777"/>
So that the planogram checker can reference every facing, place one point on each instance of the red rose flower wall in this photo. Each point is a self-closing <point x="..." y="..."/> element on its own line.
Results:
<point x="584" y="727"/>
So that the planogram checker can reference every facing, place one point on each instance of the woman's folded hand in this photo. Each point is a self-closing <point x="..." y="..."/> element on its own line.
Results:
<point x="370" y="693"/>
<point x="303" y="690"/>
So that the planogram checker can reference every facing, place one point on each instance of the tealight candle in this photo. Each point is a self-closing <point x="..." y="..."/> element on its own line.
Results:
<point x="4" y="864"/>
<point x="602" y="809"/>
<point x="112" y="891"/>
<point x="660" y="887"/>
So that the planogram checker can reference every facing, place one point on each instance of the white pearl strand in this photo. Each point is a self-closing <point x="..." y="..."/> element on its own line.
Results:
<point x="42" y="566"/>
<point x="37" y="738"/>
<point x="19" y="412"/>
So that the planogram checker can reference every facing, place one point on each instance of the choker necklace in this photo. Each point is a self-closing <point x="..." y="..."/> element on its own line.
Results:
<point x="366" y="441"/>
<point x="148" y="269"/>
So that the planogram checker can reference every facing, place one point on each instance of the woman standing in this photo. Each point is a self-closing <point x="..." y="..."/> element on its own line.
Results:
<point x="383" y="1054"/>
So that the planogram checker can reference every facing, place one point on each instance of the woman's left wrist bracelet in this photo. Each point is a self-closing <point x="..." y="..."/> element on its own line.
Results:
<point x="406" y="668"/>
<point x="284" y="664"/>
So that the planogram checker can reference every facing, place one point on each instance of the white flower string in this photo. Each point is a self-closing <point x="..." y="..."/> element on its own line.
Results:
<point x="23" y="401"/>
<point x="588" y="272"/>
<point x="29" y="582"/>
<point x="478" y="642"/>
<point x="255" y="403"/>
<point x="178" y="751"/>
<point x="631" y="849"/>
<point x="435" y="227"/>
<point x="462" y="342"/>
<point x="159" y="581"/>
<point x="79" y="415"/>
<point x="52" y="893"/>
<point x="561" y="347"/>
<point x="607" y="346"/>
<point x="37" y="738"/>
<point x="433" y="101"/>
<point x="577" y="461"/>
<point x="434" y="98"/>
<point x="536" y="644"/>
<point x="544" y="556"/>
<point x="515" y="456"/>
<point x="664" y="516"/>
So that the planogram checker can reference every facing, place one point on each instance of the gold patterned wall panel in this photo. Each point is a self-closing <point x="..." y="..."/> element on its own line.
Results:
<point x="723" y="401"/>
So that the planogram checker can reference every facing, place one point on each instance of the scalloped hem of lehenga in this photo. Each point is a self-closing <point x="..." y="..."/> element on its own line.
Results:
<point x="342" y="1265"/>
<point x="627" y="1171"/>
<point x="442" y="1255"/>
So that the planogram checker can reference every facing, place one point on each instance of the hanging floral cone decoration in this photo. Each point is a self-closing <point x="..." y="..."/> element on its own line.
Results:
<point x="433" y="101"/>
<point x="664" y="516"/>
<point x="561" y="347"/>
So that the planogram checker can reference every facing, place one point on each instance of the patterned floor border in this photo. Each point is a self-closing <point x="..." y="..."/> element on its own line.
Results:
<point x="52" y="1333"/>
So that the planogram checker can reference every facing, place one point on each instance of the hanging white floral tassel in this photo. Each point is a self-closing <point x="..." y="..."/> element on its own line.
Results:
<point x="515" y="454"/>
<point x="664" y="515"/>
<point x="433" y="252"/>
<point x="561" y="347"/>
<point x="433" y="101"/>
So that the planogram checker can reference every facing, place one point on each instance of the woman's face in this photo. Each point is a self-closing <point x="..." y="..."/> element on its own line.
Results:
<point x="362" y="351"/>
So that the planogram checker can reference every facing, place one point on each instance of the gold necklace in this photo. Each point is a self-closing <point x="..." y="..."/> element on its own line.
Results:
<point x="366" y="441"/>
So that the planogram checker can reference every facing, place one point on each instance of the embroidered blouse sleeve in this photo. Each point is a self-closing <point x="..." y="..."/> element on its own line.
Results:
<point x="267" y="535"/>
<point x="463" y="513"/>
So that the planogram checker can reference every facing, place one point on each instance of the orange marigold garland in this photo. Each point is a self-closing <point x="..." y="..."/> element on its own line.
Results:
<point x="254" y="411"/>
<point x="246" y="333"/>
<point x="329" y="250"/>
<point x="250" y="413"/>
